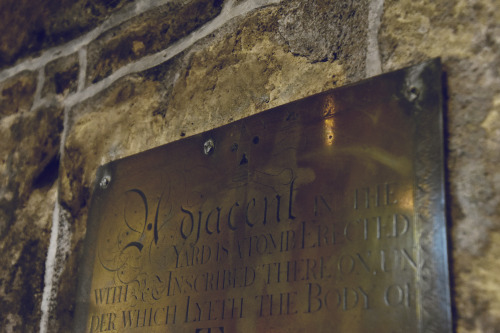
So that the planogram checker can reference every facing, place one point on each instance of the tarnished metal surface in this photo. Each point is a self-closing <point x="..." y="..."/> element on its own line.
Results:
<point x="323" y="215"/>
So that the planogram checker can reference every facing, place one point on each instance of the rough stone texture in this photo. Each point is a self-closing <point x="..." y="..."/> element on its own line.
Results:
<point x="22" y="262"/>
<point x="323" y="31"/>
<point x="29" y="144"/>
<point x="28" y="27"/>
<point x="61" y="76"/>
<point x="17" y="93"/>
<point x="146" y="34"/>
<point x="466" y="35"/>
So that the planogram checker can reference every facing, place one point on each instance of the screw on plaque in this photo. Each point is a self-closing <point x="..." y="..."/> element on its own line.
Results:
<point x="413" y="93"/>
<point x="209" y="147"/>
<point x="105" y="182"/>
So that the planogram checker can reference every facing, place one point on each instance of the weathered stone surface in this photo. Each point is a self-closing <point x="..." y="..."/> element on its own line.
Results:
<point x="147" y="33"/>
<point x="23" y="250"/>
<point x="29" y="145"/>
<point x="466" y="35"/>
<point x="321" y="30"/>
<point x="61" y="76"/>
<point x="17" y="93"/>
<point x="29" y="27"/>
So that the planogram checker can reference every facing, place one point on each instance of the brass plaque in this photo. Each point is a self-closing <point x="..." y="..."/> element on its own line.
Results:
<point x="322" y="215"/>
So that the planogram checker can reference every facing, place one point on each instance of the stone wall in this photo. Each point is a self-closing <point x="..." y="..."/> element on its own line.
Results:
<point x="86" y="82"/>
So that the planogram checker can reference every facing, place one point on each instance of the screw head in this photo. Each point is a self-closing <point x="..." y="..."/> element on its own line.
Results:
<point x="105" y="182"/>
<point x="413" y="93"/>
<point x="209" y="147"/>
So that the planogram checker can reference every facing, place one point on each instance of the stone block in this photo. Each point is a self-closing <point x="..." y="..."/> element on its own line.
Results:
<point x="61" y="76"/>
<point x="17" y="93"/>
<point x="28" y="27"/>
<point x="145" y="34"/>
<point x="321" y="30"/>
<point x="29" y="147"/>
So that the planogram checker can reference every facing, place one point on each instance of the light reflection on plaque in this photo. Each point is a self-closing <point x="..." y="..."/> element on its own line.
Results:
<point x="323" y="215"/>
